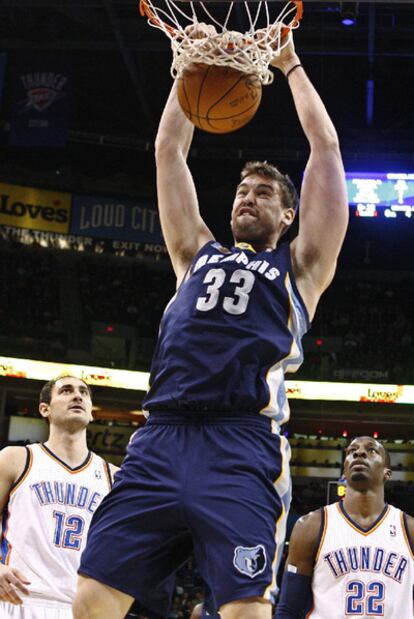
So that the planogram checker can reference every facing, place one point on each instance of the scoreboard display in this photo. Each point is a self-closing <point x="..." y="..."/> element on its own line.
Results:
<point x="387" y="195"/>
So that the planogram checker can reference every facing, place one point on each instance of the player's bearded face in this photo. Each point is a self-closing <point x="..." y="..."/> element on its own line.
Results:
<point x="257" y="210"/>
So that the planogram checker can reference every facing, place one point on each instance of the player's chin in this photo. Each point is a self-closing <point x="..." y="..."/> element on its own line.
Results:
<point x="81" y="418"/>
<point x="247" y="233"/>
<point x="359" y="476"/>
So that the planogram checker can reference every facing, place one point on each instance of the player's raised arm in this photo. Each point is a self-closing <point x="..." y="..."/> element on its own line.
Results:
<point x="183" y="228"/>
<point x="323" y="213"/>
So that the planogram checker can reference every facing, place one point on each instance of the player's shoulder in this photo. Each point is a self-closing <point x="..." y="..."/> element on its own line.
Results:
<point x="13" y="460"/>
<point x="305" y="538"/>
<point x="311" y="521"/>
<point x="307" y="528"/>
<point x="14" y="453"/>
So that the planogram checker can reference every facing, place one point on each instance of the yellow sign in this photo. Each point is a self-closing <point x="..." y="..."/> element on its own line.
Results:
<point x="101" y="377"/>
<point x="34" y="209"/>
<point x="350" y="392"/>
<point x="126" y="379"/>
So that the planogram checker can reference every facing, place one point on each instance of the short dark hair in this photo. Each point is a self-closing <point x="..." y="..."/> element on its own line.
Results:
<point x="46" y="391"/>
<point x="263" y="168"/>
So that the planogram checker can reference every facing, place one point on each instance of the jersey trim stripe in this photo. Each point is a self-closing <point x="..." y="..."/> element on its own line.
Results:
<point x="108" y="474"/>
<point x="407" y="537"/>
<point x="274" y="381"/>
<point x="283" y="488"/>
<point x="322" y="531"/>
<point x="25" y="472"/>
<point x="310" y="612"/>
<point x="68" y="468"/>
<point x="245" y="247"/>
<point x="5" y="544"/>
<point x="297" y="325"/>
<point x="356" y="526"/>
<point x="278" y="405"/>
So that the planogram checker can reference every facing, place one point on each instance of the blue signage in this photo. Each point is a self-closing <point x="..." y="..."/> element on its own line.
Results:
<point x="40" y="102"/>
<point x="112" y="218"/>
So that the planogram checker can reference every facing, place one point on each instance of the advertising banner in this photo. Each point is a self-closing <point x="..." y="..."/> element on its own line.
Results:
<point x="134" y="380"/>
<point x="112" y="218"/>
<point x="40" y="101"/>
<point x="35" y="209"/>
<point x="12" y="367"/>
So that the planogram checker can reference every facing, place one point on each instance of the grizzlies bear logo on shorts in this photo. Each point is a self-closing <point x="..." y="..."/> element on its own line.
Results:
<point x="250" y="561"/>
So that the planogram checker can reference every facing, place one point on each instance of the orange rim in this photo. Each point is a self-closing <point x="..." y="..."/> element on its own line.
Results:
<point x="295" y="21"/>
<point x="145" y="10"/>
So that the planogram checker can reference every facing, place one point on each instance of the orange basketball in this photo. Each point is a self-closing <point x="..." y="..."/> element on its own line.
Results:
<point x="218" y="99"/>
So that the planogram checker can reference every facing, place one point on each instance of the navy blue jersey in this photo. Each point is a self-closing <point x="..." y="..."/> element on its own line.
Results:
<point x="229" y="334"/>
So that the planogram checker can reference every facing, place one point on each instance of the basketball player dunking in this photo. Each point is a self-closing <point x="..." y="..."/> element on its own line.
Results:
<point x="354" y="558"/>
<point x="210" y="468"/>
<point x="48" y="493"/>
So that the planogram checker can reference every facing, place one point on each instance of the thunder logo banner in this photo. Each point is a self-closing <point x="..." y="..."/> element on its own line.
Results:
<point x="40" y="101"/>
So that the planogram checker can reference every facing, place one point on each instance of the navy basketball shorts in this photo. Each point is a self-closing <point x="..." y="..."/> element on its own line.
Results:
<point x="217" y="487"/>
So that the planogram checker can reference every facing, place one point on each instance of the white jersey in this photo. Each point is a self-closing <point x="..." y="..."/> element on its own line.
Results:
<point x="47" y="518"/>
<point x="363" y="573"/>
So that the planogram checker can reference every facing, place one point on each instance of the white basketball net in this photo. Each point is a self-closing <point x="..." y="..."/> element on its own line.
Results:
<point x="250" y="52"/>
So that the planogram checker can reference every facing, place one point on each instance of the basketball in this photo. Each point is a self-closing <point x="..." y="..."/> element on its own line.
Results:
<point x="218" y="99"/>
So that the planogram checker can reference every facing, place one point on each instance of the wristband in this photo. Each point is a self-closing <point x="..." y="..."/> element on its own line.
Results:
<point x="292" y="69"/>
<point x="295" y="596"/>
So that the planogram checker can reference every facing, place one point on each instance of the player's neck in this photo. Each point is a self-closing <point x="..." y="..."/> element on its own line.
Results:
<point x="69" y="447"/>
<point x="364" y="506"/>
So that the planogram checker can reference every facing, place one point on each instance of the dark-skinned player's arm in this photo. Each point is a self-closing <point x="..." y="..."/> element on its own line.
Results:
<point x="12" y="464"/>
<point x="323" y="212"/>
<point x="296" y="591"/>
<point x="409" y="524"/>
<point x="183" y="228"/>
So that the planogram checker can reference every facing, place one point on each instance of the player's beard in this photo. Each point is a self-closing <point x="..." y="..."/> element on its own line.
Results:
<point x="248" y="232"/>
